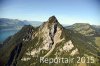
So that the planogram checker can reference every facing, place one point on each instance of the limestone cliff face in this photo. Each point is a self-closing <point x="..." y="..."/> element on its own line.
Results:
<point x="52" y="34"/>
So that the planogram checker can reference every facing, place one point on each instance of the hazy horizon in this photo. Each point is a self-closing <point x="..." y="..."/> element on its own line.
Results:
<point x="46" y="20"/>
<point x="67" y="12"/>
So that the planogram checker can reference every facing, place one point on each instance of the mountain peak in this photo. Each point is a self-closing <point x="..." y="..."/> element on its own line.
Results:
<point x="52" y="19"/>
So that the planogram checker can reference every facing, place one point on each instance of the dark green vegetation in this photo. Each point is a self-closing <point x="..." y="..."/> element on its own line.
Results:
<point x="14" y="42"/>
<point x="92" y="32"/>
<point x="97" y="40"/>
<point x="16" y="46"/>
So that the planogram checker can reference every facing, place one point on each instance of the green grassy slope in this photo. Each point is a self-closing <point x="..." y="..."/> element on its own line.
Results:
<point x="97" y="41"/>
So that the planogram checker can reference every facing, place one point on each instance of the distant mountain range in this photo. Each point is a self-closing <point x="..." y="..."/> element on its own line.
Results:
<point x="85" y="29"/>
<point x="97" y="29"/>
<point x="50" y="40"/>
<point x="15" y="24"/>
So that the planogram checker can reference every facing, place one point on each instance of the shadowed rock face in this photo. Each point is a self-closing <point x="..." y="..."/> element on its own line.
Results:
<point x="0" y="45"/>
<point x="14" y="55"/>
<point x="53" y="28"/>
<point x="52" y="19"/>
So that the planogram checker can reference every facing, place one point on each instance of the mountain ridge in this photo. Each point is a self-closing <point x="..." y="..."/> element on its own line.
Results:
<point x="85" y="29"/>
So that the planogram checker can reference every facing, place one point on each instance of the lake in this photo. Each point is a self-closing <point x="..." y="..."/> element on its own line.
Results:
<point x="4" y="34"/>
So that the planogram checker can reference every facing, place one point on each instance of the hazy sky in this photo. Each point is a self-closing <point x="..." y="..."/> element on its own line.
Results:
<point x="66" y="11"/>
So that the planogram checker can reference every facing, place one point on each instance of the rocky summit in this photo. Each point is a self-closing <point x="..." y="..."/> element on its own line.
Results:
<point x="50" y="40"/>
